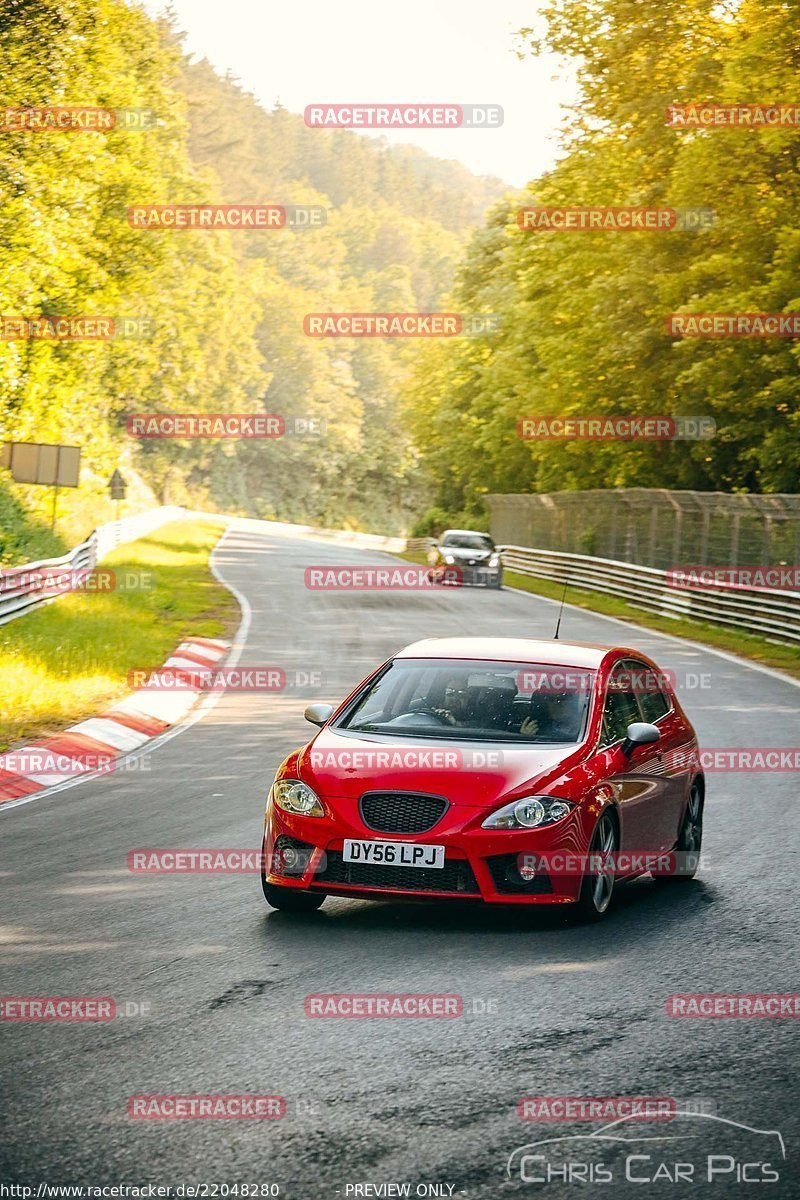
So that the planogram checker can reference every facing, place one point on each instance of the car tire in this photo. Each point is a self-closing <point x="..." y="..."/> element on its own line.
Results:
<point x="689" y="842"/>
<point x="291" y="899"/>
<point x="597" y="889"/>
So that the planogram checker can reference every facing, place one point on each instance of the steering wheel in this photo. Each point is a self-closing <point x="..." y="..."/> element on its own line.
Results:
<point x="420" y="713"/>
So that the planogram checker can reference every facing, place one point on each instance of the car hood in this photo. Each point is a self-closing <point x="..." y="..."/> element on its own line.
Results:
<point x="459" y="554"/>
<point x="477" y="774"/>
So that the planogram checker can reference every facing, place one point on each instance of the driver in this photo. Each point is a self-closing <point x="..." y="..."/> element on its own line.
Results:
<point x="455" y="707"/>
<point x="553" y="717"/>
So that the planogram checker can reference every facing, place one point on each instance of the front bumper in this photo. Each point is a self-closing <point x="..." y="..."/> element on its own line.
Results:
<point x="480" y="864"/>
<point x="470" y="576"/>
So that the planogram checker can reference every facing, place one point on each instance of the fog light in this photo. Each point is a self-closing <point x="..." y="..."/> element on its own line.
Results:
<point x="290" y="857"/>
<point x="526" y="868"/>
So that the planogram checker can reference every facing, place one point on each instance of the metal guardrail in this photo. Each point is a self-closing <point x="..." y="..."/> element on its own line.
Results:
<point x="769" y="612"/>
<point x="415" y="545"/>
<point x="16" y="601"/>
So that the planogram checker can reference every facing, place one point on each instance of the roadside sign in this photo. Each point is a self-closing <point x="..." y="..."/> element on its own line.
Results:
<point x="39" y="462"/>
<point x="117" y="486"/>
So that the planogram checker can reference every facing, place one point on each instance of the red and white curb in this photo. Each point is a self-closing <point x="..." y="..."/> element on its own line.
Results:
<point x="128" y="726"/>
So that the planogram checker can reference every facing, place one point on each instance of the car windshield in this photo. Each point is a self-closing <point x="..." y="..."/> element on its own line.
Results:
<point x="468" y="541"/>
<point x="477" y="701"/>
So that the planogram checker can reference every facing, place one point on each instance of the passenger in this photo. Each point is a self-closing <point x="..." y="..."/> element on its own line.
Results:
<point x="554" y="717"/>
<point x="497" y="707"/>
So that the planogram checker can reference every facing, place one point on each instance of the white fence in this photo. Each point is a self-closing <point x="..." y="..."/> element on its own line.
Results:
<point x="30" y="593"/>
<point x="653" y="527"/>
<point x="768" y="612"/>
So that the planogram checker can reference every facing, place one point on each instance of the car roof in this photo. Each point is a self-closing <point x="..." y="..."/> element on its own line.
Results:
<point x="501" y="649"/>
<point x="471" y="532"/>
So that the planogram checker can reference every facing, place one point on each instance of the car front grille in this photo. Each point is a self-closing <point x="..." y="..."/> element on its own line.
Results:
<point x="455" y="876"/>
<point x="478" y="576"/>
<point x="401" y="812"/>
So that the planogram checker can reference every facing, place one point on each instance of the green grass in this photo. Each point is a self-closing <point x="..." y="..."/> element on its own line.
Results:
<point x="783" y="657"/>
<point x="69" y="660"/>
<point x="26" y="514"/>
<point x="25" y="536"/>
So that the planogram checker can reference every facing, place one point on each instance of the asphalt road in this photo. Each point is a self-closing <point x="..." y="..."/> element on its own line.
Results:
<point x="550" y="1008"/>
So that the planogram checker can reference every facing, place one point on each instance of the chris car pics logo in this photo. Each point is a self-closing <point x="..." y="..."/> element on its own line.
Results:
<point x="694" y="1148"/>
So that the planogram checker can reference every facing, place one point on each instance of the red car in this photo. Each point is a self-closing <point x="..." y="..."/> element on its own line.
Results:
<point x="503" y="770"/>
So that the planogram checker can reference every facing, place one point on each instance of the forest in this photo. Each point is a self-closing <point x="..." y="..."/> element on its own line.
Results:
<point x="212" y="319"/>
<point x="399" y="434"/>
<point x="583" y="314"/>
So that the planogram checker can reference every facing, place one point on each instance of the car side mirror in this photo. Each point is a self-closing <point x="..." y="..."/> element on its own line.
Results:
<point x="639" y="733"/>
<point x="318" y="714"/>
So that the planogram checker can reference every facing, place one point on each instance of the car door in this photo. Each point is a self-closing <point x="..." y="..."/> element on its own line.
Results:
<point x="657" y="708"/>
<point x="638" y="780"/>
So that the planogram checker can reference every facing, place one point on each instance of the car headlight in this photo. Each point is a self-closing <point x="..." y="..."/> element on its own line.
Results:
<point x="494" y="560"/>
<point x="294" y="796"/>
<point x="448" y="558"/>
<point x="531" y="812"/>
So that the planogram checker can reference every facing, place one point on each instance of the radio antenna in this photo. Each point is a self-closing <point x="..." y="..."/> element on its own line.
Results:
<point x="560" y="611"/>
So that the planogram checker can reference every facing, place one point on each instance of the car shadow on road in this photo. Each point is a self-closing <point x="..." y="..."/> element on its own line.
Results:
<point x="639" y="908"/>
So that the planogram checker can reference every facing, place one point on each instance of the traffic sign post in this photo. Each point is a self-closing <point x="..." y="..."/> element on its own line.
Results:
<point x="53" y="466"/>
<point x="117" y="487"/>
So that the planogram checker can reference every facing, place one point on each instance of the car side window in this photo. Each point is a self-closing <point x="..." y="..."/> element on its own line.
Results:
<point x="621" y="707"/>
<point x="652" y="701"/>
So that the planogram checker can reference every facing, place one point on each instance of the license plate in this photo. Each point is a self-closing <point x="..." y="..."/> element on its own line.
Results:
<point x="393" y="854"/>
